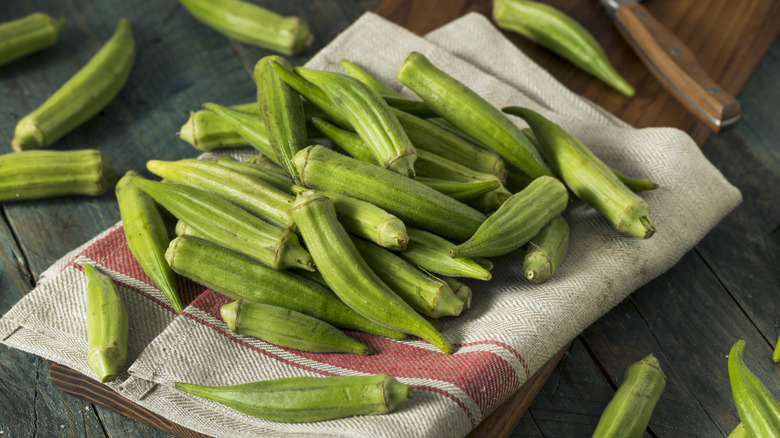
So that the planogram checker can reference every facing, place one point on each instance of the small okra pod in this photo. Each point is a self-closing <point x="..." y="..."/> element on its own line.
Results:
<point x="556" y="31"/>
<point x="758" y="408"/>
<point x="280" y="181"/>
<point x="414" y="203"/>
<point x="282" y="113"/>
<point x="28" y="34"/>
<point x="147" y="236"/>
<point x="629" y="411"/>
<point x="429" y="252"/>
<point x="254" y="196"/>
<point x="221" y="221"/>
<point x="287" y="328"/>
<point x="460" y="190"/>
<point x="588" y="177"/>
<point x="428" y="295"/>
<point x="517" y="221"/>
<point x="348" y="274"/>
<point x="107" y="326"/>
<point x="308" y="399"/>
<point x="238" y="276"/>
<point x="367" y="78"/>
<point x="205" y="130"/>
<point x="82" y="96"/>
<point x="468" y="111"/>
<point x="252" y="24"/>
<point x="249" y="126"/>
<point x="460" y="289"/>
<point x="546" y="250"/>
<point x="38" y="174"/>
<point x="371" y="118"/>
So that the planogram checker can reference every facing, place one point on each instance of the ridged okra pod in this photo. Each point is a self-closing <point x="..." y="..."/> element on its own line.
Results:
<point x="430" y="252"/>
<point x="460" y="190"/>
<point x="238" y="276"/>
<point x="313" y="94"/>
<point x="758" y="408"/>
<point x="229" y="225"/>
<point x="546" y="250"/>
<point x="287" y="328"/>
<point x="348" y="141"/>
<point x="428" y="295"/>
<point x="249" y="126"/>
<point x="282" y="113"/>
<point x="280" y="181"/>
<point x="82" y="96"/>
<point x="349" y="276"/>
<point x="629" y="411"/>
<point x="553" y="29"/>
<point x="206" y="130"/>
<point x="368" y="79"/>
<point x="460" y="289"/>
<point x="252" y="24"/>
<point x="254" y="196"/>
<point x="588" y="177"/>
<point x="517" y="221"/>
<point x="370" y="117"/>
<point x="468" y="111"/>
<point x="40" y="174"/>
<point x="414" y="203"/>
<point x="28" y="34"/>
<point x="308" y="399"/>
<point x="107" y="326"/>
<point x="147" y="236"/>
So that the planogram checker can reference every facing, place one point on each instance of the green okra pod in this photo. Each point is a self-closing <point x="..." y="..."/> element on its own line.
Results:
<point x="460" y="190"/>
<point x="229" y="225"/>
<point x="739" y="432"/>
<point x="546" y="250"/>
<point x="147" y="236"/>
<point x="37" y="174"/>
<point x="308" y="399"/>
<point x="588" y="177"/>
<point x="430" y="253"/>
<point x="516" y="179"/>
<point x="556" y="31"/>
<point x="249" y="126"/>
<point x="279" y="180"/>
<point x="460" y="289"/>
<point x="462" y="107"/>
<point x="776" y="352"/>
<point x="414" y="203"/>
<point x="414" y="107"/>
<point x="348" y="141"/>
<point x="107" y="326"/>
<point x="313" y="94"/>
<point x="349" y="276"/>
<point x="28" y="34"/>
<point x="365" y="77"/>
<point x="82" y="96"/>
<point x="287" y="328"/>
<point x="252" y="24"/>
<point x="254" y="196"/>
<point x="758" y="408"/>
<point x="629" y="411"/>
<point x="206" y="130"/>
<point x="428" y="295"/>
<point x="517" y="221"/>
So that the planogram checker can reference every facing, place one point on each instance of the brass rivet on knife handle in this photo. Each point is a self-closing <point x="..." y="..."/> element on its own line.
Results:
<point x="28" y="34"/>
<point x="107" y="326"/>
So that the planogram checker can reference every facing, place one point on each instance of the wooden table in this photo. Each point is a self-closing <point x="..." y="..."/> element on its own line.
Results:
<point x="725" y="289"/>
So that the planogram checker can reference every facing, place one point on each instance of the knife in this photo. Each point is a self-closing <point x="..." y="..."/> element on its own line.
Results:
<point x="673" y="64"/>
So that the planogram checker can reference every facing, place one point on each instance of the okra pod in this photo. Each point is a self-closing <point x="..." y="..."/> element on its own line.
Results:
<point x="287" y="328"/>
<point x="252" y="24"/>
<point x="147" y="236"/>
<point x="517" y="221"/>
<point x="279" y="180"/>
<point x="414" y="203"/>
<point x="349" y="276"/>
<point x="365" y="77"/>
<point x="82" y="96"/>
<point x="37" y="174"/>
<point x="430" y="252"/>
<point x="428" y="295"/>
<point x="468" y="111"/>
<point x="776" y="352"/>
<point x="546" y="250"/>
<point x="460" y="289"/>
<point x="460" y="190"/>
<point x="308" y="399"/>
<point x="588" y="177"/>
<point x="758" y="408"/>
<point x="229" y="225"/>
<point x="348" y="141"/>
<point x="238" y="276"/>
<point x="107" y="326"/>
<point x="556" y="31"/>
<point x="313" y="94"/>
<point x="249" y="126"/>
<point x="629" y="411"/>
<point x="370" y="117"/>
<point x="206" y="130"/>
<point x="739" y="432"/>
<point x="28" y="34"/>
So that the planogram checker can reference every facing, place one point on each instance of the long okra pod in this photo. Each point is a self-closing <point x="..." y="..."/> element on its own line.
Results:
<point x="280" y="181"/>
<point x="307" y="399"/>
<point x="588" y="177"/>
<point x="430" y="252"/>
<point x="349" y="276"/>
<point x="546" y="250"/>
<point x="365" y="77"/>
<point x="468" y="111"/>
<point x="28" y="34"/>
<point x="758" y="409"/>
<point x="107" y="326"/>
<point x="249" y="126"/>
<point x="147" y="236"/>
<point x="82" y="96"/>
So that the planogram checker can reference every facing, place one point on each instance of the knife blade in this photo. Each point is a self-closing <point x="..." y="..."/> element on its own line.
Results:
<point x="673" y="64"/>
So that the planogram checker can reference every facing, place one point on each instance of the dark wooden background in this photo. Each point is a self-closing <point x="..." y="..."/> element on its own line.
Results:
<point x="725" y="289"/>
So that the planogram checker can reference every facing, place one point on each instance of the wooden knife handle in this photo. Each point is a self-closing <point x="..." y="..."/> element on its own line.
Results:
<point x="675" y="66"/>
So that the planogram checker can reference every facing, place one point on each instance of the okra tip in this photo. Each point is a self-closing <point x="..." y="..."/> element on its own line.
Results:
<point x="27" y="135"/>
<point x="106" y="362"/>
<point x="396" y="392"/>
<point x="229" y="314"/>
